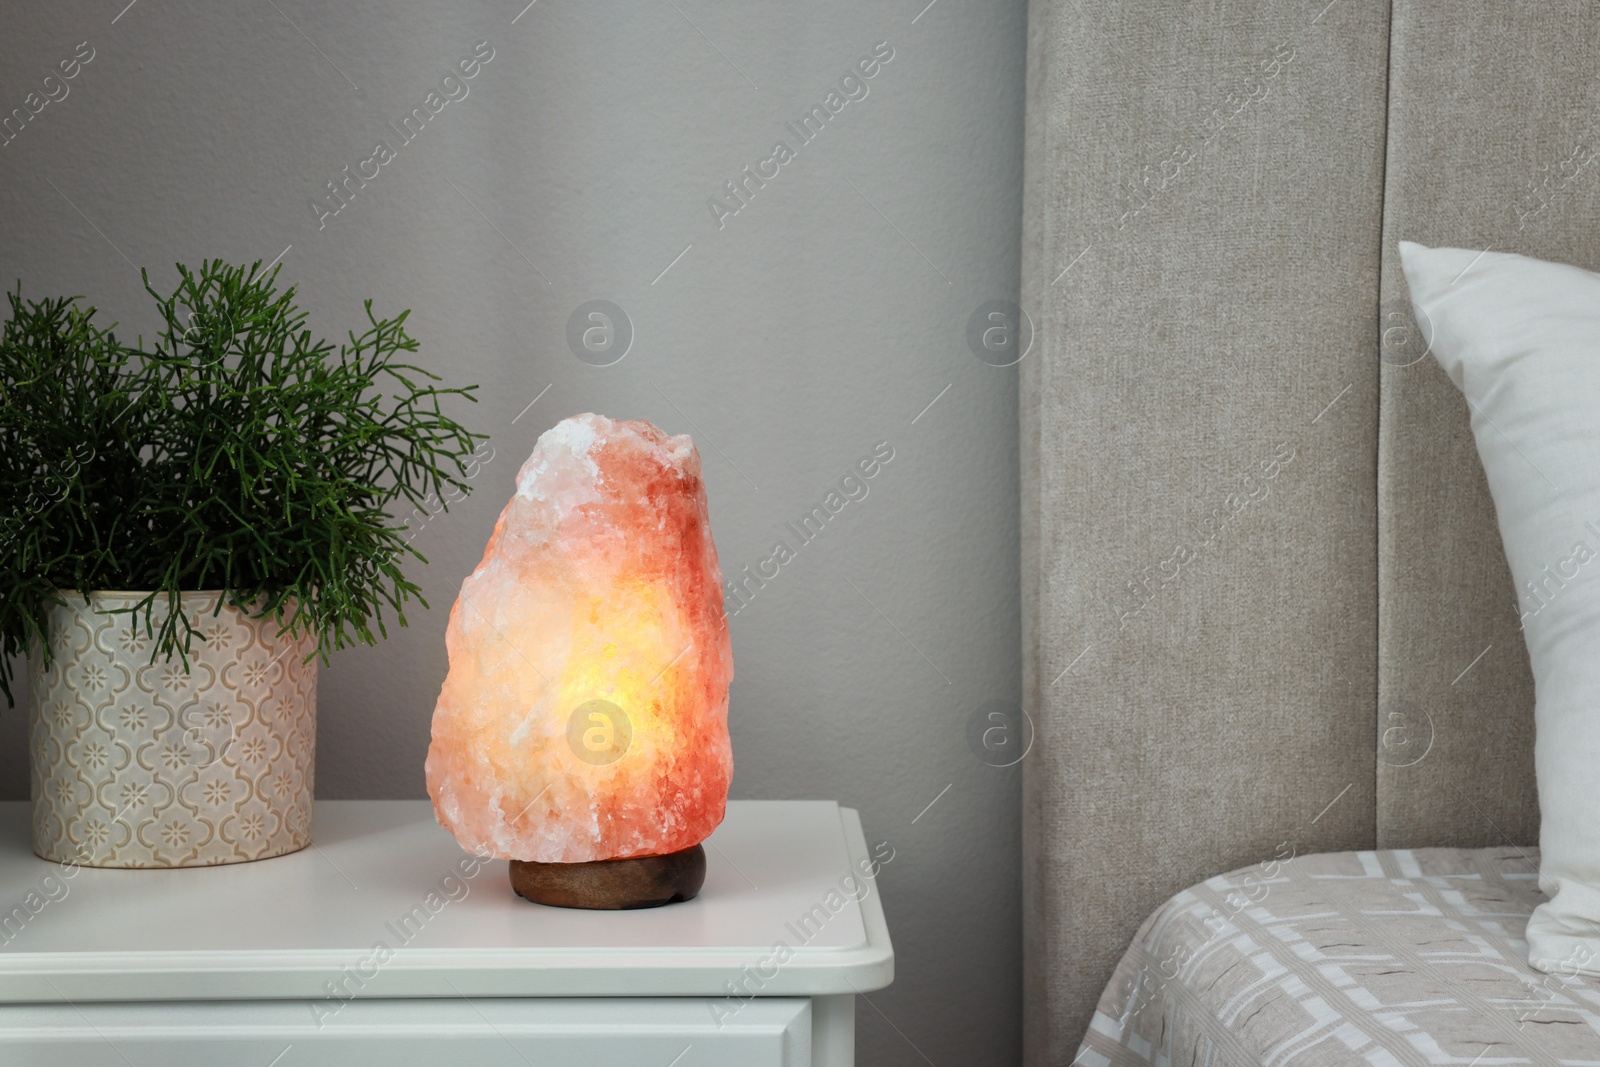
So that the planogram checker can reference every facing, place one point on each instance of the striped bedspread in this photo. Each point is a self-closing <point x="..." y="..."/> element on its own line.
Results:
<point x="1384" y="958"/>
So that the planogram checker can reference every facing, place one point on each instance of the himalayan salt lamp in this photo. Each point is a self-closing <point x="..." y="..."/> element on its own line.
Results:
<point x="582" y="730"/>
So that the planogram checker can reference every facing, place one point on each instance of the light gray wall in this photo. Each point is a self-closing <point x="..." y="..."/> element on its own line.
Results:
<point x="820" y="320"/>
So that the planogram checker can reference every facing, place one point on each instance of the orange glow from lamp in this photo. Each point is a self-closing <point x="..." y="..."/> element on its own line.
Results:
<point x="582" y="730"/>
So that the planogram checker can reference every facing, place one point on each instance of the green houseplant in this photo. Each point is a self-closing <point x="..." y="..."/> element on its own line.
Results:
<point x="193" y="524"/>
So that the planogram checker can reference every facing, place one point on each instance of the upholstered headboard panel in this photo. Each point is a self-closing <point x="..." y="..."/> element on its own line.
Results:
<point x="1265" y="601"/>
<point x="1494" y="110"/>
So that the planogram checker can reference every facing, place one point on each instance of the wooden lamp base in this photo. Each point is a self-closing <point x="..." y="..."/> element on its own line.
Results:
<point x="612" y="885"/>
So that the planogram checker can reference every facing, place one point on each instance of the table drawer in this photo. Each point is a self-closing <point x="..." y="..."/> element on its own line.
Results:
<point x="486" y="1032"/>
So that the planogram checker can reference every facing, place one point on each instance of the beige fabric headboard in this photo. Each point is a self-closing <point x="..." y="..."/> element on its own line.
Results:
<point x="1264" y="596"/>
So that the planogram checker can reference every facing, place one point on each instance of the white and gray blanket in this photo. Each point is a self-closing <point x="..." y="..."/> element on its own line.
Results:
<point x="1384" y="958"/>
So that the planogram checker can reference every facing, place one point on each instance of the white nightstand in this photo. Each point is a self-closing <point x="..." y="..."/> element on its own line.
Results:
<point x="382" y="945"/>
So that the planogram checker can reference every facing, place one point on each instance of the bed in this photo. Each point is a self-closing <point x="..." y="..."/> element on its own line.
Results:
<point x="1382" y="957"/>
<point x="1266" y="609"/>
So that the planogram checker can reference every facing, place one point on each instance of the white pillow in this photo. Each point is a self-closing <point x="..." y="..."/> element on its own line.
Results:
<point x="1520" y="338"/>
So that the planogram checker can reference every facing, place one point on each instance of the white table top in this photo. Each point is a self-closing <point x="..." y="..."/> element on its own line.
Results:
<point x="290" y="926"/>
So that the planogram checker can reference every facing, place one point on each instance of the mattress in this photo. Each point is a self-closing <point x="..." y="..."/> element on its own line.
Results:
<point x="1385" y="958"/>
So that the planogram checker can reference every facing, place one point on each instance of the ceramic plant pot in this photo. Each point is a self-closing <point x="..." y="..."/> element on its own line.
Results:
<point x="141" y="764"/>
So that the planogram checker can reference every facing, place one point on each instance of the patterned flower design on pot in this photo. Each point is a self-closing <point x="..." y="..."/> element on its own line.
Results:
<point x="302" y="742"/>
<point x="253" y="752"/>
<point x="168" y="677"/>
<point x="210" y="729"/>
<point x="295" y="819"/>
<point x="64" y="634"/>
<point x="92" y="681"/>
<point x="63" y="722"/>
<point x="71" y="630"/>
<point x="213" y="792"/>
<point x="133" y="794"/>
<point x="135" y="717"/>
<point x="247" y="827"/>
<point x="174" y="837"/>
<point x="133" y="645"/>
<point x="94" y="834"/>
<point x="174" y="754"/>
<point x="219" y="636"/>
<point x="64" y="714"/>
<point x="64" y="791"/>
<point x="172" y="767"/>
<point x="165" y="753"/>
<point x="216" y="792"/>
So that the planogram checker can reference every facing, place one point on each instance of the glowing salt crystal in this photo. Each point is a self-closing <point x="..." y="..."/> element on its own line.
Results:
<point x="585" y="714"/>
